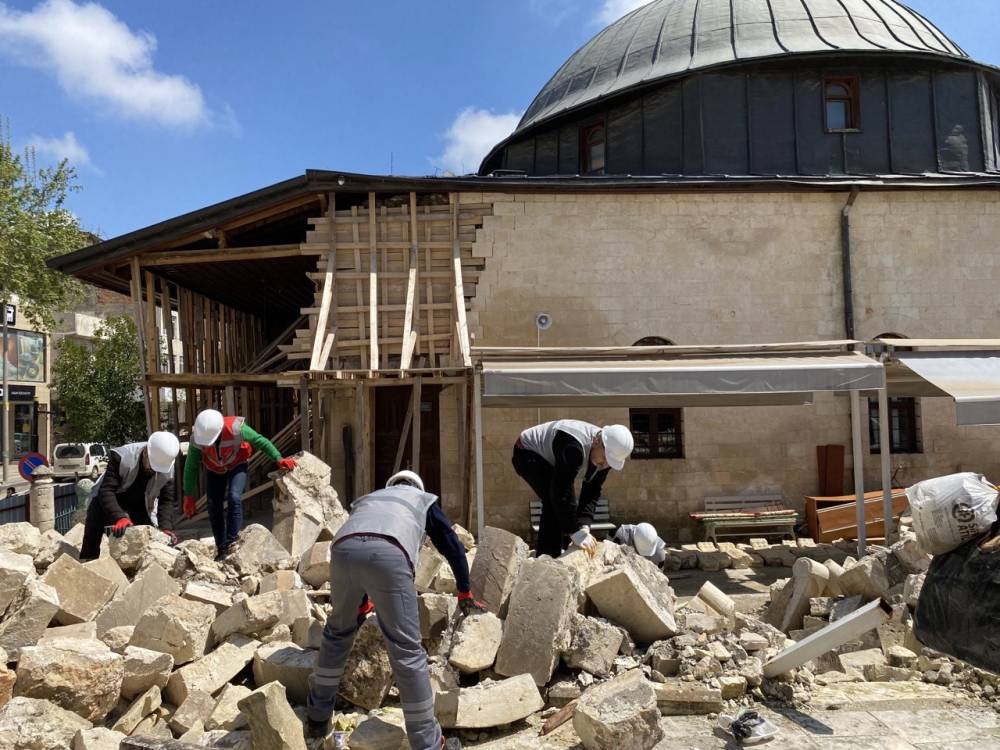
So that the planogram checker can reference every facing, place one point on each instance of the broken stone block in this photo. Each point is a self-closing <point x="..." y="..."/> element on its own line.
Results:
<point x="82" y="592"/>
<point x="777" y="555"/>
<point x="809" y="580"/>
<point x="622" y="597"/>
<point x="663" y="658"/>
<point x="15" y="570"/>
<point x="252" y="615"/>
<point x="306" y="506"/>
<point x="84" y="630"/>
<point x="149" y="585"/>
<point x="367" y="674"/>
<point x="84" y="677"/>
<point x="475" y="643"/>
<point x="314" y="567"/>
<point x="35" y="724"/>
<point x="7" y="679"/>
<point x="28" y="615"/>
<point x="257" y="552"/>
<point x="107" y="567"/>
<point x="685" y="698"/>
<point x="844" y="607"/>
<point x="98" y="738"/>
<point x="464" y="536"/>
<point x="131" y="549"/>
<point x="443" y="676"/>
<point x="619" y="715"/>
<point x="21" y="538"/>
<point x="280" y="580"/>
<point x="212" y="671"/>
<point x="562" y="692"/>
<point x="194" y="710"/>
<point x="900" y="656"/>
<point x="288" y="664"/>
<point x="732" y="686"/>
<point x="139" y="709"/>
<point x="194" y="734"/>
<point x="866" y="579"/>
<point x="117" y="639"/>
<point x="752" y="670"/>
<point x="435" y="611"/>
<point x="910" y="556"/>
<point x="209" y="593"/>
<point x="227" y="714"/>
<point x="307" y="633"/>
<point x="738" y="559"/>
<point x="444" y="582"/>
<point x="752" y="642"/>
<point x="429" y="564"/>
<point x="53" y="546"/>
<point x="539" y="614"/>
<point x="384" y="731"/>
<point x="488" y="704"/>
<point x="176" y="626"/>
<point x="710" y="559"/>
<point x="854" y="663"/>
<point x="169" y="558"/>
<point x="499" y="557"/>
<point x="594" y="644"/>
<point x="911" y="589"/>
<point x="700" y="623"/>
<point x="144" y="669"/>
<point x="273" y="723"/>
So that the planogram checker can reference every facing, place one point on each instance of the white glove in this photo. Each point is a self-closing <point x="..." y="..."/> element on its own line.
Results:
<point x="585" y="541"/>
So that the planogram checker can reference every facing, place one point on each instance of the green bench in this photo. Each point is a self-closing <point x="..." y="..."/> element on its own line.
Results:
<point x="761" y="515"/>
<point x="601" y="526"/>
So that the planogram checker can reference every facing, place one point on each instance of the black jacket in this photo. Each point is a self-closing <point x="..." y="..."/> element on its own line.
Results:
<point x="569" y="458"/>
<point x="131" y="503"/>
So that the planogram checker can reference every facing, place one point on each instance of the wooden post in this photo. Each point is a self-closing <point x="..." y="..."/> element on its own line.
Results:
<point x="323" y="318"/>
<point x="362" y="440"/>
<point x="136" y="288"/>
<point x="403" y="435"/>
<point x="462" y="436"/>
<point x="462" y="327"/>
<point x="152" y="347"/>
<point x="230" y="400"/>
<point x="304" y="414"/>
<point x="409" y="334"/>
<point x="166" y="308"/>
<point x="885" y="448"/>
<point x="477" y="406"/>
<point x="373" y="297"/>
<point x="417" y="396"/>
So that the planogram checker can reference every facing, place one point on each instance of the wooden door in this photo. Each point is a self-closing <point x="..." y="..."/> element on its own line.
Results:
<point x="390" y="414"/>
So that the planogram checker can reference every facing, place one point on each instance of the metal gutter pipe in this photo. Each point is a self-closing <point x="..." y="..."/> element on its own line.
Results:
<point x="845" y="251"/>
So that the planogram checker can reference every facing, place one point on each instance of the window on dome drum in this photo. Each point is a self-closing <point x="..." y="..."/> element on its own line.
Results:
<point x="592" y="148"/>
<point x="658" y="433"/>
<point x="843" y="107"/>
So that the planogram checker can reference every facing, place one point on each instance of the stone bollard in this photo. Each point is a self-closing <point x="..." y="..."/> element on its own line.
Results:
<point x="42" y="499"/>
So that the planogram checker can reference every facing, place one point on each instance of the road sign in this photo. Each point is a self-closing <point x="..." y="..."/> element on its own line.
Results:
<point x="11" y="315"/>
<point x="27" y="465"/>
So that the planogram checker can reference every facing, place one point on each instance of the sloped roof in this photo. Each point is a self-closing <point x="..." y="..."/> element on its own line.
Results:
<point x="670" y="37"/>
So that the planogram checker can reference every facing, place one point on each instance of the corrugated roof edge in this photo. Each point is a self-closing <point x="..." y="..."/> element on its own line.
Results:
<point x="318" y="181"/>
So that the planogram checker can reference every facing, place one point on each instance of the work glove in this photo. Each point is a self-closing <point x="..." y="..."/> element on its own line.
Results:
<point x="118" y="529"/>
<point x="366" y="608"/>
<point x="172" y="537"/>
<point x="190" y="507"/>
<point x="585" y="541"/>
<point x="286" y="464"/>
<point x="469" y="606"/>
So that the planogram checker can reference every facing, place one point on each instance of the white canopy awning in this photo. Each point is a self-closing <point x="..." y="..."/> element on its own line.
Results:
<point x="759" y="379"/>
<point x="971" y="378"/>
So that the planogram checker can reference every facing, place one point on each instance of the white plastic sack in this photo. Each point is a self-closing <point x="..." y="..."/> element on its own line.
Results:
<point x="949" y="511"/>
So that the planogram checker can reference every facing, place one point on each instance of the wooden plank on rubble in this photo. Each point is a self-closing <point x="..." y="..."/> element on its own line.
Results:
<point x="326" y="301"/>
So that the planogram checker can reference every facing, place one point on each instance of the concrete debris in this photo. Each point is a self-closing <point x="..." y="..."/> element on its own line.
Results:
<point x="488" y="704"/>
<point x="619" y="715"/>
<point x="499" y="557"/>
<point x="176" y="626"/>
<point x="273" y="723"/>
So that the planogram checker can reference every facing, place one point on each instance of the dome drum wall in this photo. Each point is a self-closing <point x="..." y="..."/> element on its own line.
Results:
<point x="914" y="117"/>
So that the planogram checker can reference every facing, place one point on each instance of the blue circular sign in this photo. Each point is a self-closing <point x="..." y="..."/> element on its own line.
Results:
<point x="27" y="465"/>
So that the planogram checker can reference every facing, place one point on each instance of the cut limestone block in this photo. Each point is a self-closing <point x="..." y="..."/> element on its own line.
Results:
<point x="7" y="679"/>
<point x="194" y="710"/>
<point x="676" y="698"/>
<point x="590" y="568"/>
<point x="98" y="738"/>
<point x="15" y="570"/>
<point x="314" y="567"/>
<point x="280" y="580"/>
<point x="475" y="643"/>
<point x="444" y="582"/>
<point x="145" y="669"/>
<point x="209" y="593"/>
<point x="622" y="597"/>
<point x="212" y="671"/>
<point x="117" y="639"/>
<point x="85" y="630"/>
<point x="253" y="615"/>
<point x="306" y="506"/>
<point x="464" y="536"/>
<point x="866" y="579"/>
<point x="34" y="724"/>
<point x="139" y="709"/>
<point x="435" y="611"/>
<point x="84" y="677"/>
<point x="28" y="616"/>
<point x="149" y="585"/>
<point x="257" y="552"/>
<point x="307" y="633"/>
<point x="106" y="566"/>
<point x="809" y="580"/>
<point x="498" y="561"/>
<point x="176" y="626"/>
<point x="367" y="674"/>
<point x="539" y="615"/>
<point x="226" y="714"/>
<point x="288" y="664"/>
<point x="429" y="564"/>
<point x="82" y="592"/>
<point x="273" y="723"/>
<point x="382" y="731"/>
<point x="854" y="663"/>
<point x="732" y="686"/>
<point x="594" y="645"/>
<point x="488" y="704"/>
<point x="619" y="715"/>
<point x="22" y="538"/>
<point x="131" y="549"/>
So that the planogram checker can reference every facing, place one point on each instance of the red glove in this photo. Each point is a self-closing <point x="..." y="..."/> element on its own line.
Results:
<point x="469" y="606"/>
<point x="286" y="464"/>
<point x="190" y="507"/>
<point x="174" y="541"/>
<point x="366" y="608"/>
<point x="118" y="529"/>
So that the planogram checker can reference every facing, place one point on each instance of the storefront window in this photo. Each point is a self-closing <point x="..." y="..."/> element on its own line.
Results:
<point x="25" y="356"/>
<point x="21" y="439"/>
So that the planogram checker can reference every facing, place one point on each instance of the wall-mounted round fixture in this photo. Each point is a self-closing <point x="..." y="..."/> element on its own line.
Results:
<point x="543" y="321"/>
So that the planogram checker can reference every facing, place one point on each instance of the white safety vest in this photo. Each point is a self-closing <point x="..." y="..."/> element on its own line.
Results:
<point x="539" y="439"/>
<point x="131" y="462"/>
<point x="399" y="512"/>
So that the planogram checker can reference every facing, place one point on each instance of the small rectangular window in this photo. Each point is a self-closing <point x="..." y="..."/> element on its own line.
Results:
<point x="904" y="426"/>
<point x="592" y="149"/>
<point x="658" y="433"/>
<point x="842" y="104"/>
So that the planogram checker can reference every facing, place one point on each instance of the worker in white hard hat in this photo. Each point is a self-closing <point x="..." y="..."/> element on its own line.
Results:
<point x="375" y="554"/>
<point x="550" y="458"/>
<point x="644" y="540"/>
<point x="137" y="489"/>
<point x="223" y="445"/>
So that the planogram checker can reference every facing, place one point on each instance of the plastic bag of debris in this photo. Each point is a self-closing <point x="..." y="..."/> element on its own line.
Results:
<point x="959" y="606"/>
<point x="949" y="511"/>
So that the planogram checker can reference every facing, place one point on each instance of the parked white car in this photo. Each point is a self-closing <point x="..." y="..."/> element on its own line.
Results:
<point x="78" y="460"/>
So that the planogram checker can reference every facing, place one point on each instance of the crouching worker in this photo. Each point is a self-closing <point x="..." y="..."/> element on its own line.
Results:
<point x="136" y="490"/>
<point x="644" y="540"/>
<point x="375" y="554"/>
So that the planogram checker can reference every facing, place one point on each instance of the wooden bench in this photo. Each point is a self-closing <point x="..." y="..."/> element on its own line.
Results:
<point x="764" y="515"/>
<point x="602" y="518"/>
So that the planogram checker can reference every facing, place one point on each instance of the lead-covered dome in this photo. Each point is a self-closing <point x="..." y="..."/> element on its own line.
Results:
<point x="670" y="37"/>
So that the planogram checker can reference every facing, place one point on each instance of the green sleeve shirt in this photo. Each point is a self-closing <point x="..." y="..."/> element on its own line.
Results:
<point x="192" y="465"/>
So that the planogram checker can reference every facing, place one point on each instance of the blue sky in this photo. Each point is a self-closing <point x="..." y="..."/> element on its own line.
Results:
<point x="168" y="107"/>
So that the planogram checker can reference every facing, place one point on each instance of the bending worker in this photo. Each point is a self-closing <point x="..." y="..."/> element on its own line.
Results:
<point x="550" y="457"/>
<point x="644" y="540"/>
<point x="137" y="489"/>
<point x="224" y="446"/>
<point x="375" y="553"/>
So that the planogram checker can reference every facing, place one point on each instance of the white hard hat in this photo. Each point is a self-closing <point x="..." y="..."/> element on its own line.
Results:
<point x="163" y="448"/>
<point x="644" y="539"/>
<point x="618" y="445"/>
<point x="406" y="477"/>
<point x="207" y="428"/>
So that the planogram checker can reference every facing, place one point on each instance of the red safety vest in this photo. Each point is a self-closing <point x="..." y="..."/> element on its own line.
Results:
<point x="230" y="450"/>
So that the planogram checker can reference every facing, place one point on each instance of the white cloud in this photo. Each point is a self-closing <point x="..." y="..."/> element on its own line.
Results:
<point x="95" y="56"/>
<point x="612" y="10"/>
<point x="67" y="147"/>
<point x="471" y="136"/>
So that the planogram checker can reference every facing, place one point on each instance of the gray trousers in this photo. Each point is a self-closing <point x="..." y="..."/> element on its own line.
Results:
<point x="374" y="566"/>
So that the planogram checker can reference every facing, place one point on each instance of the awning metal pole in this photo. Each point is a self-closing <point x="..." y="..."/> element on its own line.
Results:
<point x="885" y="446"/>
<point x="859" y="470"/>
<point x="477" y="409"/>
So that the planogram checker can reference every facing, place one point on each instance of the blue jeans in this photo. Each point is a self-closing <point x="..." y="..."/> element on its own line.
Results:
<point x="225" y="504"/>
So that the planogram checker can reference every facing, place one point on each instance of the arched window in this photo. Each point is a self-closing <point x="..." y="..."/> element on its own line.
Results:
<point x="904" y="418"/>
<point x="658" y="433"/>
<point x="592" y="149"/>
<point x="843" y="109"/>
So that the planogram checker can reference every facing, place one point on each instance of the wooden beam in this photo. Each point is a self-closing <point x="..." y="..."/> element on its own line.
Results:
<point x="404" y="435"/>
<point x="166" y="308"/>
<point x="136" y="288"/>
<point x="417" y="397"/>
<point x="322" y="320"/>
<point x="359" y="290"/>
<point x="409" y="340"/>
<point x="304" y="414"/>
<point x="261" y="252"/>
<point x="362" y="440"/>
<point x="372" y="283"/>
<point x="464" y="349"/>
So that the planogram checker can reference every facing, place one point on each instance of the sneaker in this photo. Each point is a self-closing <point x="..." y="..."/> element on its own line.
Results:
<point x="316" y="728"/>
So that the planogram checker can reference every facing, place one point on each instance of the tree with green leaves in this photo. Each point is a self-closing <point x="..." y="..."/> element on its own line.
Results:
<point x="35" y="225"/>
<point x="99" y="387"/>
